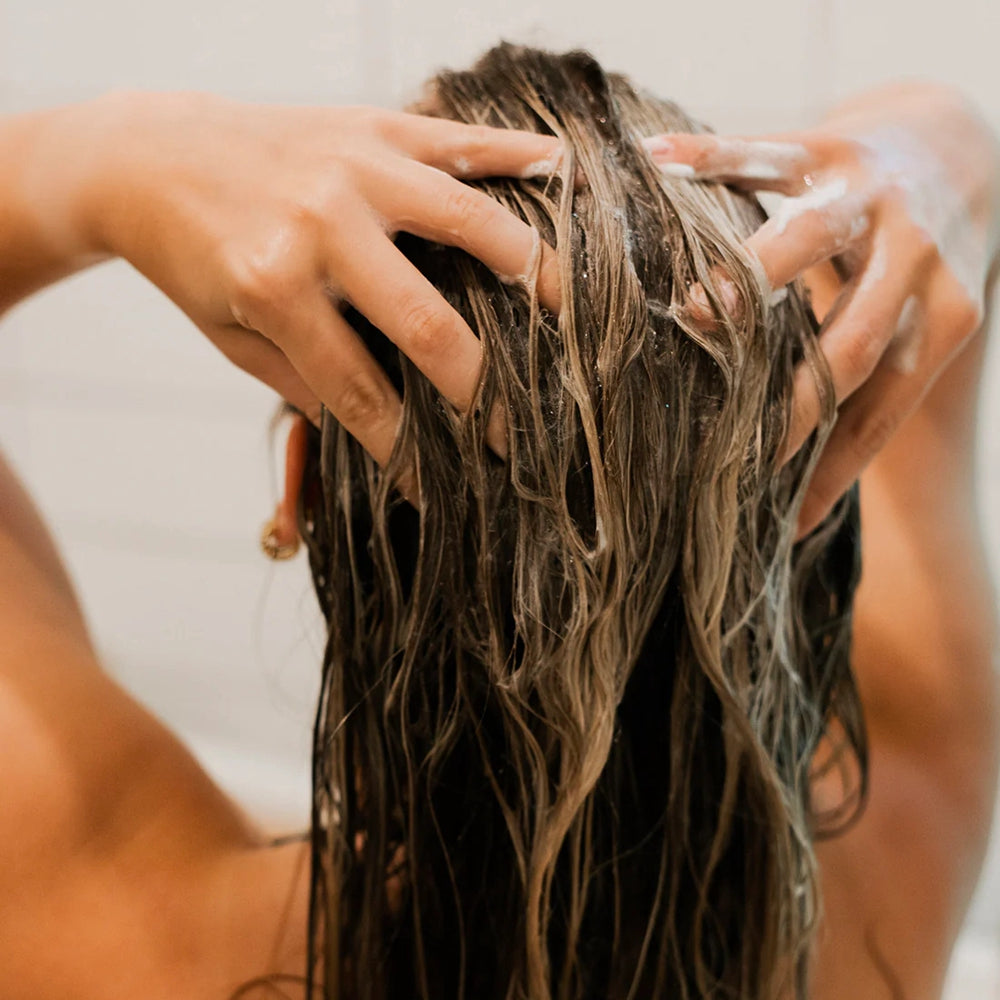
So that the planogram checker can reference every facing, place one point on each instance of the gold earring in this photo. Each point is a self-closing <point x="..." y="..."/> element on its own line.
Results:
<point x="279" y="538"/>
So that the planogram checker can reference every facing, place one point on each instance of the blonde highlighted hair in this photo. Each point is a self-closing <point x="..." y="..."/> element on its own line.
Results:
<point x="570" y="707"/>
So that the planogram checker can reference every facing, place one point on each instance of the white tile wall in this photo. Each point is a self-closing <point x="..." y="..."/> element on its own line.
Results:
<point x="117" y="338"/>
<point x="700" y="54"/>
<point x="957" y="44"/>
<point x="61" y="51"/>
<point x="224" y="646"/>
<point x="149" y="453"/>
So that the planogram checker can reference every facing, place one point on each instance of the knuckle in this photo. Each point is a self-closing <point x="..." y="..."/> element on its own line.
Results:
<point x="846" y="148"/>
<point x="703" y="153"/>
<point x="965" y="317"/>
<point x="830" y="150"/>
<point x="257" y="282"/>
<point x="373" y="120"/>
<point x="314" y="215"/>
<point x="426" y="330"/>
<point x="923" y="248"/>
<point x="861" y="352"/>
<point x="388" y="126"/>
<point x="872" y="433"/>
<point x="361" y="401"/>
<point x="304" y="214"/>
<point x="476" y="140"/>
<point x="814" y="228"/>
<point x="465" y="209"/>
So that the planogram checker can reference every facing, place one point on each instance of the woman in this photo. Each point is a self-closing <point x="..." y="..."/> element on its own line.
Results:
<point x="119" y="850"/>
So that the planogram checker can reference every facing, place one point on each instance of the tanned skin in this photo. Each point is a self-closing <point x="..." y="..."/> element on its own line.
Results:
<point x="125" y="872"/>
<point x="897" y="885"/>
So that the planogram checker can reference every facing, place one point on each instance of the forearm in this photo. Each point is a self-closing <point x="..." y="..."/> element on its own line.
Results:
<point x="914" y="118"/>
<point x="45" y="163"/>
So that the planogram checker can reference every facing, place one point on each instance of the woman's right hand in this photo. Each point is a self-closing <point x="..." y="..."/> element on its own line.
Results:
<point x="262" y="221"/>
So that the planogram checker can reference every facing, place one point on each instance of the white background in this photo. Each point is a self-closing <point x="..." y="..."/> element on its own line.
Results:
<point x="150" y="456"/>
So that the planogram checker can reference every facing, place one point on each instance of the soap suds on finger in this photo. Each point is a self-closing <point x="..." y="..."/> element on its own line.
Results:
<point x="904" y="349"/>
<point x="814" y="200"/>
<point x="531" y="265"/>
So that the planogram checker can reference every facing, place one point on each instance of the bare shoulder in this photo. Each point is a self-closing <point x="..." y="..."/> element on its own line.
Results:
<point x="897" y="885"/>
<point x="80" y="757"/>
<point x="122" y="866"/>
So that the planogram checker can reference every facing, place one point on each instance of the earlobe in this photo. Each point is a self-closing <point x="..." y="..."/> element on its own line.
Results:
<point x="280" y="536"/>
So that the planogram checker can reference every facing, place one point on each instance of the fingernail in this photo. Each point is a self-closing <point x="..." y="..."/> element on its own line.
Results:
<point x="496" y="433"/>
<point x="546" y="166"/>
<point x="659" y="145"/>
<point x="550" y="165"/>
<point x="700" y="309"/>
<point x="406" y="483"/>
<point x="548" y="285"/>
<point x="664" y="152"/>
<point x="676" y="170"/>
<point x="732" y="301"/>
<point x="698" y="306"/>
<point x="541" y="168"/>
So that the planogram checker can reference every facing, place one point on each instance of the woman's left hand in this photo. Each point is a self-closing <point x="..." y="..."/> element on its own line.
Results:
<point x="901" y="187"/>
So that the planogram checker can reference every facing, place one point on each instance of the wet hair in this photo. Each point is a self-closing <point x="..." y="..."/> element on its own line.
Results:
<point x="570" y="708"/>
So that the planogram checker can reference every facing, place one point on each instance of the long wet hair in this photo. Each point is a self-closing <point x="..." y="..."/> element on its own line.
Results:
<point x="570" y="707"/>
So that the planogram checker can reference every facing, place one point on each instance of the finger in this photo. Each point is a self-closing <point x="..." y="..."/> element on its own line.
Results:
<point x="259" y="357"/>
<point x="805" y="231"/>
<point x="873" y="414"/>
<point x="436" y="207"/>
<point x="810" y="229"/>
<point x="699" y="309"/>
<point x="334" y="363"/>
<point x="855" y="335"/>
<point x="761" y="164"/>
<point x="476" y="150"/>
<point x="416" y="318"/>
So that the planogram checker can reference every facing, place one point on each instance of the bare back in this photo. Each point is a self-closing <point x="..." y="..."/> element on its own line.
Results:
<point x="124" y="871"/>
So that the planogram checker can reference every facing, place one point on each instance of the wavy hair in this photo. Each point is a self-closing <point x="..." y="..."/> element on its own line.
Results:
<point x="570" y="706"/>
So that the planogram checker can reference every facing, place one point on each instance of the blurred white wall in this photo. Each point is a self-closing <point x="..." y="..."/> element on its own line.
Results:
<point x="149" y="454"/>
